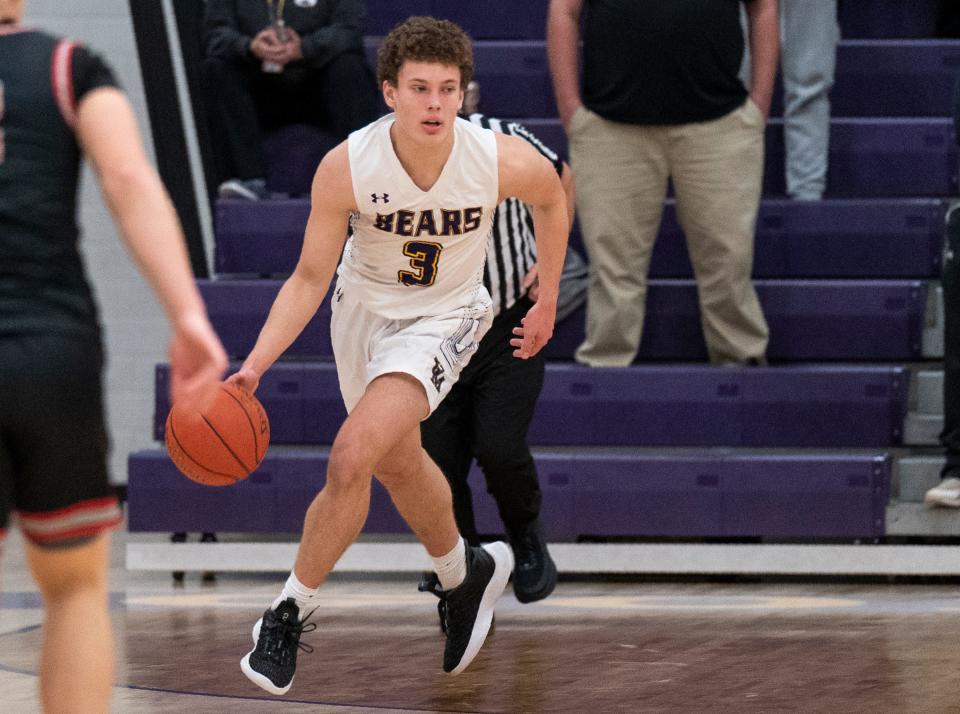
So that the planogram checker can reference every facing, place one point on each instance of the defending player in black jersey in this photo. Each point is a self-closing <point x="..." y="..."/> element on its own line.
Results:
<point x="59" y="101"/>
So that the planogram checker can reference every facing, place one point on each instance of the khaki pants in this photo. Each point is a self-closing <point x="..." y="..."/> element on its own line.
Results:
<point x="622" y="172"/>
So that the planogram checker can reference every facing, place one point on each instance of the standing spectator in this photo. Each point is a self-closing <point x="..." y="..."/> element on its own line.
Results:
<point x="487" y="413"/>
<point x="809" y="34"/>
<point x="58" y="102"/>
<point x="661" y="100"/>
<point x="947" y="492"/>
<point x="271" y="63"/>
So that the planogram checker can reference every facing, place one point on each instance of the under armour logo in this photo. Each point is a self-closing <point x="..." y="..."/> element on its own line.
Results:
<point x="437" y="376"/>
<point x="383" y="197"/>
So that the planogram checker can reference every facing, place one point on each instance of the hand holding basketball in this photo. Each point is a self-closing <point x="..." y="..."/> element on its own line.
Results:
<point x="223" y="443"/>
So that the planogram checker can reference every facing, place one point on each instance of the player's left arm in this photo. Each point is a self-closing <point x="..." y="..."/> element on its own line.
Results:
<point x="528" y="176"/>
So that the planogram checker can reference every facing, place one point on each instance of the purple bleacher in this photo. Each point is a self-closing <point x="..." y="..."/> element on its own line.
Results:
<point x="507" y="19"/>
<point x="281" y="391"/>
<point x="648" y="405"/>
<point x="834" y="319"/>
<point x="874" y="78"/>
<point x="259" y="236"/>
<point x="862" y="320"/>
<point x="889" y="157"/>
<point x="824" y="406"/>
<point x="906" y="78"/>
<point x="586" y="495"/>
<point x="868" y="157"/>
<point x="238" y="309"/>
<point x="293" y="153"/>
<point x="489" y="19"/>
<point x="734" y="495"/>
<point x="870" y="238"/>
<point x="916" y="18"/>
<point x="273" y="499"/>
<point x="709" y="406"/>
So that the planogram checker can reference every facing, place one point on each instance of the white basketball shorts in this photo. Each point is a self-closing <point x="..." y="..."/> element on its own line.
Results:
<point x="434" y="350"/>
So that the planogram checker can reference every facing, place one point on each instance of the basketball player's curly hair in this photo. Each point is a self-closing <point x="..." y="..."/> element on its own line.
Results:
<point x="425" y="39"/>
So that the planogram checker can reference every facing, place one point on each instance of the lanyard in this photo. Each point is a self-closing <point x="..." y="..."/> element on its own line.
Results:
<point x="275" y="15"/>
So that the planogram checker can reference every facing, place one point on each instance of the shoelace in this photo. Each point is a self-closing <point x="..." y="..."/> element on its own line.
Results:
<point x="285" y="632"/>
<point x="429" y="583"/>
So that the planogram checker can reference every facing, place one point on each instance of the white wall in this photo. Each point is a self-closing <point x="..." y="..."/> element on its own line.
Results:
<point x="134" y="327"/>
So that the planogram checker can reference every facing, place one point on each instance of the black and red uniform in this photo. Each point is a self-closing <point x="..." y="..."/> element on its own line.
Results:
<point x="53" y="440"/>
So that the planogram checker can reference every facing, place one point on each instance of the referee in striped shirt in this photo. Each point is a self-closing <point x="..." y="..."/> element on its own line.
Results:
<point x="488" y="411"/>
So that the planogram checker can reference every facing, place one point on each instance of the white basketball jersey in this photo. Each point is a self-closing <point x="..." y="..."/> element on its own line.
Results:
<point x="416" y="253"/>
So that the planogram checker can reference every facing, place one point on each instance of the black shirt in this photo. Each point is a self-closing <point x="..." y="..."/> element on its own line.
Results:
<point x="662" y="61"/>
<point x="327" y="28"/>
<point x="43" y="287"/>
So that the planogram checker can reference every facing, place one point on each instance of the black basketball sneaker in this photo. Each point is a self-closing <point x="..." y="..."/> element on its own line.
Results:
<point x="276" y="636"/>
<point x="535" y="574"/>
<point x="469" y="607"/>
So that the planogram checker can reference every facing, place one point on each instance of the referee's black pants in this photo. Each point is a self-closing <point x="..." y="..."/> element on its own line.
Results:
<point x="486" y="416"/>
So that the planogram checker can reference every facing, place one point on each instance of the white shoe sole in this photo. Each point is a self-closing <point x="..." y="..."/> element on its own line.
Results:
<point x="503" y="558"/>
<point x="253" y="675"/>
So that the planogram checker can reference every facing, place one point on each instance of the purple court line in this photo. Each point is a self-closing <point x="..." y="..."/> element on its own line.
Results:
<point x="163" y="690"/>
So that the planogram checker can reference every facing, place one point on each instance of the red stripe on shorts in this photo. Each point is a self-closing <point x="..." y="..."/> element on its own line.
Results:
<point x="81" y="519"/>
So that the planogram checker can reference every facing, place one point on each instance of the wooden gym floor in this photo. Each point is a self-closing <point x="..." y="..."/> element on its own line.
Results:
<point x="591" y="647"/>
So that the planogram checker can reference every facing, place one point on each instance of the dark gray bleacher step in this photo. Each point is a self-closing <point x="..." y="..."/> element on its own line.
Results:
<point x="915" y="519"/>
<point x="869" y="158"/>
<point x="869" y="238"/>
<point x="933" y="332"/>
<point x="916" y="474"/>
<point x="590" y="494"/>
<point x="874" y="78"/>
<point x="694" y="405"/>
<point x="809" y="320"/>
<point x="922" y="429"/>
<point x="924" y="420"/>
<point x="928" y="389"/>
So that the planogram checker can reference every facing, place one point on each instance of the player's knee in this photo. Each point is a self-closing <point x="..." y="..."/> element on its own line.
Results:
<point x="347" y="469"/>
<point x="64" y="570"/>
<point x="395" y="474"/>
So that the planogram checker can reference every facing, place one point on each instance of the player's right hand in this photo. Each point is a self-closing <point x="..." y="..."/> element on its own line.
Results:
<point x="245" y="378"/>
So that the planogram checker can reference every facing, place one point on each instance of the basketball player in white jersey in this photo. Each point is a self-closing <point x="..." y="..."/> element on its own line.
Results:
<point x="419" y="188"/>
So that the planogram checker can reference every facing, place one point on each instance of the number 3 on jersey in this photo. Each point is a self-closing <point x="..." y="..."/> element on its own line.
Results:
<point x="424" y="257"/>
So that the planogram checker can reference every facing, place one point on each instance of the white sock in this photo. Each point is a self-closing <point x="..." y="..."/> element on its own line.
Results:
<point x="304" y="596"/>
<point x="451" y="569"/>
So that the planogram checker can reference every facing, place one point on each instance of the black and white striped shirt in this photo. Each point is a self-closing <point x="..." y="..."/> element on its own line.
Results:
<point x="512" y="248"/>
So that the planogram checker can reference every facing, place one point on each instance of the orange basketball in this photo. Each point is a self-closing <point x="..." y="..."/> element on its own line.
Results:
<point x="223" y="444"/>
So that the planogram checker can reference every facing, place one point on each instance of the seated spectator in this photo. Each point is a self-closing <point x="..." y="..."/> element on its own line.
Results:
<point x="268" y="64"/>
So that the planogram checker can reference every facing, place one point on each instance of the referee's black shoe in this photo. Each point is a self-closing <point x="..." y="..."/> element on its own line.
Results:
<point x="535" y="575"/>
<point x="469" y="606"/>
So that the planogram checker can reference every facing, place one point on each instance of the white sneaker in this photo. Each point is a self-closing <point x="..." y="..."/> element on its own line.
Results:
<point x="946" y="493"/>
